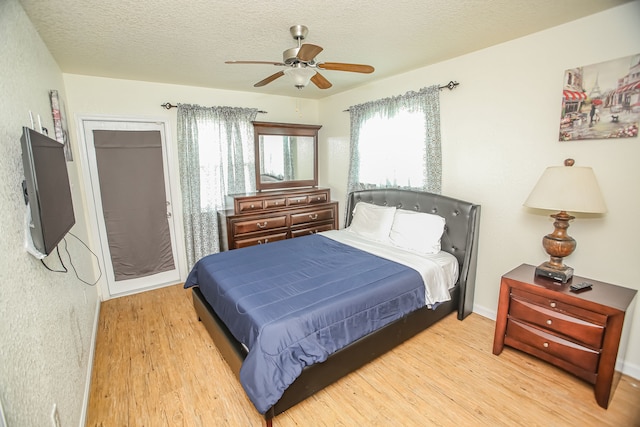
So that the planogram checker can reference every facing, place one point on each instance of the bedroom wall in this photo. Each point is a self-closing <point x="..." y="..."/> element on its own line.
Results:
<point x="47" y="318"/>
<point x="500" y="131"/>
<point x="104" y="97"/>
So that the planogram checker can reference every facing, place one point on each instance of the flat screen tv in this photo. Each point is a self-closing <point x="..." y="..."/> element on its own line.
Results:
<point x="47" y="190"/>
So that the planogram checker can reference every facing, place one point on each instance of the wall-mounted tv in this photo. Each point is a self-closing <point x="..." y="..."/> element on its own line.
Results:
<point x="47" y="189"/>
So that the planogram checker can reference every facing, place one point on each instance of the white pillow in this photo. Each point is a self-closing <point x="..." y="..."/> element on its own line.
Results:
<point x="417" y="231"/>
<point x="372" y="221"/>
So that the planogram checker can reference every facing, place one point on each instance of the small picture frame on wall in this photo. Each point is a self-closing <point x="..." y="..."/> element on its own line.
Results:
<point x="601" y="101"/>
<point x="61" y="132"/>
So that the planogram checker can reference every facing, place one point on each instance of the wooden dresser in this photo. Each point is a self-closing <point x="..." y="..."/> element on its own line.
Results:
<point x="268" y="216"/>
<point x="578" y="332"/>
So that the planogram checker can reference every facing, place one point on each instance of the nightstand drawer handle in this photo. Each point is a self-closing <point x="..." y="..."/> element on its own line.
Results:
<point x="263" y="225"/>
<point x="549" y="322"/>
<point x="553" y="305"/>
<point x="313" y="216"/>
<point x="545" y="345"/>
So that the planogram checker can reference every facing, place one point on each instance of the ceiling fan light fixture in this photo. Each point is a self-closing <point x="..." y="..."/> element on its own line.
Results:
<point x="300" y="75"/>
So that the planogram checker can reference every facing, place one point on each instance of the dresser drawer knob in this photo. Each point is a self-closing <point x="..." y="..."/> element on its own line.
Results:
<point x="313" y="216"/>
<point x="549" y="322"/>
<point x="252" y="206"/>
<point x="545" y="345"/>
<point x="553" y="305"/>
<point x="263" y="225"/>
<point x="260" y="242"/>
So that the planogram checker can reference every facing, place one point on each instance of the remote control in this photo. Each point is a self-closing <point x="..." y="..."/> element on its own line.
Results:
<point x="579" y="287"/>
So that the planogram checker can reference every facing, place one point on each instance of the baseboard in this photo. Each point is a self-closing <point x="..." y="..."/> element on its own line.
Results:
<point x="484" y="312"/>
<point x="92" y="351"/>
<point x="627" y="368"/>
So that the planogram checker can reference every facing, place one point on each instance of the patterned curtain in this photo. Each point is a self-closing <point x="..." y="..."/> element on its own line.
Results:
<point x="288" y="156"/>
<point x="216" y="155"/>
<point x="426" y="103"/>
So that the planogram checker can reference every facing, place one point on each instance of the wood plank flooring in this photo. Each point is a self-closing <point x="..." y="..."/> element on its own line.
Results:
<point x="155" y="365"/>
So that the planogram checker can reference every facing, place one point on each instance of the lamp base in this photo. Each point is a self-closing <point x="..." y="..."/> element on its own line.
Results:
<point x="560" y="274"/>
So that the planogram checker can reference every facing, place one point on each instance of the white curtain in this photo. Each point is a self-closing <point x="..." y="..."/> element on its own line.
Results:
<point x="216" y="154"/>
<point x="395" y="142"/>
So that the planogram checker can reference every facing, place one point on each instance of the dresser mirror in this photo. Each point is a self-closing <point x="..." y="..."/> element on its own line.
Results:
<point x="286" y="155"/>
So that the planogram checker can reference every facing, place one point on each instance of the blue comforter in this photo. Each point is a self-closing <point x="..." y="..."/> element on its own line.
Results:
<point x="294" y="302"/>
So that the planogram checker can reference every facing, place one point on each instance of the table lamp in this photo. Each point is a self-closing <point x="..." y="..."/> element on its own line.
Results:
<point x="564" y="188"/>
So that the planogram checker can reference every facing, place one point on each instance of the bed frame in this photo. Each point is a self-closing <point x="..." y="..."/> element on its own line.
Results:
<point x="460" y="238"/>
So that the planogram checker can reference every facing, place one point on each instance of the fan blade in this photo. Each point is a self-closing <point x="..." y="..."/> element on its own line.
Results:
<point x="339" y="66"/>
<point x="308" y="51"/>
<point x="319" y="80"/>
<point x="255" y="62"/>
<point x="269" y="79"/>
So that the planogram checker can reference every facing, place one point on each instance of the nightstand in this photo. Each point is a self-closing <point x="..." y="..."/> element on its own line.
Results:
<point x="578" y="332"/>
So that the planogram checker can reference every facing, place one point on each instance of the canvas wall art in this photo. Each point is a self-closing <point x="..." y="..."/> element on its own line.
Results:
<point x="61" y="132"/>
<point x="601" y="101"/>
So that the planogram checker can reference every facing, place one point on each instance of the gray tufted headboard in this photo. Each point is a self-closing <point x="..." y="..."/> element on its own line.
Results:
<point x="460" y="237"/>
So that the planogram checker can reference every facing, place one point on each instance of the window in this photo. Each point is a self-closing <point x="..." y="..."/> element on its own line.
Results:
<point x="391" y="151"/>
<point x="395" y="142"/>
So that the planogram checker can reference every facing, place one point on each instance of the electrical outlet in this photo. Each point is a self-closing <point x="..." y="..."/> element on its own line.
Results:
<point x="55" y="417"/>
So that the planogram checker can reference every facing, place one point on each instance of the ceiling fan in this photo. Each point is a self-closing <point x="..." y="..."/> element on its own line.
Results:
<point x="301" y="65"/>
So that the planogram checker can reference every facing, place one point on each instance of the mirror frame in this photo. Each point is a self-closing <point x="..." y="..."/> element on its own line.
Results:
<point x="285" y="129"/>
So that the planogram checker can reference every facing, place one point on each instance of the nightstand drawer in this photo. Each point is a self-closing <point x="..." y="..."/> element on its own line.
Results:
<point x="561" y="307"/>
<point x="553" y="345"/>
<point x="576" y="329"/>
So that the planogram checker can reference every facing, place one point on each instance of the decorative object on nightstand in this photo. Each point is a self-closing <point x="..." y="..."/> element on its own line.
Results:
<point x="564" y="188"/>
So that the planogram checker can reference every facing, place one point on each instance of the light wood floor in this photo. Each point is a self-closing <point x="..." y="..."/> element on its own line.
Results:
<point x="156" y="365"/>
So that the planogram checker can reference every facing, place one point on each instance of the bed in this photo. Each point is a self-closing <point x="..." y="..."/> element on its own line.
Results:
<point x="412" y="310"/>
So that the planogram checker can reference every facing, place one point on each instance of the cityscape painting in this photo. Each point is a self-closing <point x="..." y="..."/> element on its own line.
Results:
<point x="601" y="101"/>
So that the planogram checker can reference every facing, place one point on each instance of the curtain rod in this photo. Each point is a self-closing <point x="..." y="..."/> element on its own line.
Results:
<point x="451" y="85"/>
<point x="168" y="106"/>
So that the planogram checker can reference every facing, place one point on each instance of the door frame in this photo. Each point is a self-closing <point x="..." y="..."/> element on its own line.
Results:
<point x="169" y="162"/>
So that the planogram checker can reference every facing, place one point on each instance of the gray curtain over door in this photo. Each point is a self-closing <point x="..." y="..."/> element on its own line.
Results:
<point x="134" y="202"/>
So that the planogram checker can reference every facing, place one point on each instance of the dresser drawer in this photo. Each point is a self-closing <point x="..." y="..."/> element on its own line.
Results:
<point x="258" y="224"/>
<point x="249" y="206"/>
<point x="552" y="345"/>
<point x="252" y="241"/>
<point x="311" y="216"/>
<point x="576" y="329"/>
<point x="312" y="230"/>
<point x="318" y="198"/>
<point x="297" y="200"/>
<point x="275" y="203"/>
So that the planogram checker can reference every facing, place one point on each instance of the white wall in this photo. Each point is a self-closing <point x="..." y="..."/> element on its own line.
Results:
<point x="47" y="318"/>
<point x="500" y="131"/>
<point x="91" y="96"/>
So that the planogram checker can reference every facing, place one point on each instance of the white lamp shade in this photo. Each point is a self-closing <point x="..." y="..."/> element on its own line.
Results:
<point x="300" y="75"/>
<point x="567" y="188"/>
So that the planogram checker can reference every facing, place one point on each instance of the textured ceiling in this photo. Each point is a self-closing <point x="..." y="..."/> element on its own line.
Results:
<point x="186" y="42"/>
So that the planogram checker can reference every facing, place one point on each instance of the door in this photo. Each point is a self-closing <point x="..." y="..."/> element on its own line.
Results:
<point x="131" y="195"/>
